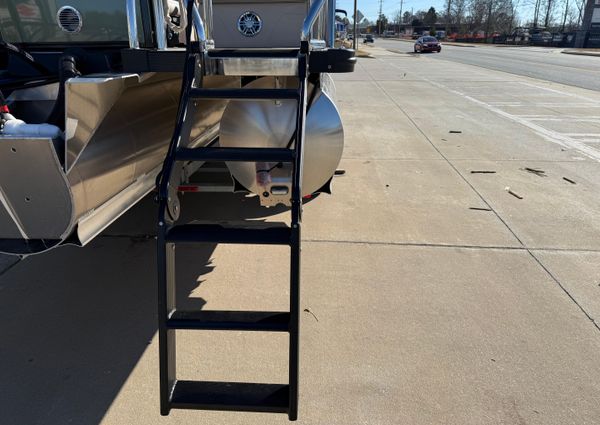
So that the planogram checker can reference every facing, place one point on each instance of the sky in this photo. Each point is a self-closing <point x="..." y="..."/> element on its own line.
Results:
<point x="370" y="8"/>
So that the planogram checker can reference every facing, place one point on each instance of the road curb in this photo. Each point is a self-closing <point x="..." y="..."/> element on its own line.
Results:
<point x="581" y="53"/>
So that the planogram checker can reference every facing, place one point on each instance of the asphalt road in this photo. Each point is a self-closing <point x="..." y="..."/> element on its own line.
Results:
<point x="547" y="64"/>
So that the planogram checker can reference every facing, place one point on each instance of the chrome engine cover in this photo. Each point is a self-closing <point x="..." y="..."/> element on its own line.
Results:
<point x="268" y="123"/>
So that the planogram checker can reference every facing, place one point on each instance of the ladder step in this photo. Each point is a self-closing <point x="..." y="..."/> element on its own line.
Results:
<point x="235" y="154"/>
<point x="245" y="94"/>
<point x="235" y="396"/>
<point x="265" y="321"/>
<point x="215" y="233"/>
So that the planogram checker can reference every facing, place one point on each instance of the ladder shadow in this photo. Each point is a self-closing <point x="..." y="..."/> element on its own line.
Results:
<point x="203" y="207"/>
<point x="77" y="321"/>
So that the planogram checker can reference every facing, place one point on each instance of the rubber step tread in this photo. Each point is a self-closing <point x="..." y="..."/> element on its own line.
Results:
<point x="264" y="321"/>
<point x="234" y="396"/>
<point x="215" y="233"/>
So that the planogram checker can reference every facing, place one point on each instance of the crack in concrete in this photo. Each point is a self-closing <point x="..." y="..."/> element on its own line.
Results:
<point x="458" y="246"/>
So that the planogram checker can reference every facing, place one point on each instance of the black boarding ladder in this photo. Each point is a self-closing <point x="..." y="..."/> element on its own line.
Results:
<point x="257" y="397"/>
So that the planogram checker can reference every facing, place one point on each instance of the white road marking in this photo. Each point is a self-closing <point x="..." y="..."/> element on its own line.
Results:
<point x="592" y="120"/>
<point x="560" y="92"/>
<point x="506" y="103"/>
<point x="567" y="105"/>
<point x="582" y="134"/>
<point x="550" y="135"/>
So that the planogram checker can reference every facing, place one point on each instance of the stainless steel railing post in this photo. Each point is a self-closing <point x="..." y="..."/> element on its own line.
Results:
<point x="160" y="25"/>
<point x="208" y="18"/>
<point x="311" y="17"/>
<point x="132" y="27"/>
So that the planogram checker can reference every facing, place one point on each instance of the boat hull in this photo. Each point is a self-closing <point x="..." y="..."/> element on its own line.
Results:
<point x="117" y="131"/>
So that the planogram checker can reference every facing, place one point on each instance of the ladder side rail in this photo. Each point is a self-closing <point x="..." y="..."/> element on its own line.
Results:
<point x="166" y="336"/>
<point x="296" y="212"/>
<point x="186" y="87"/>
<point x="165" y="251"/>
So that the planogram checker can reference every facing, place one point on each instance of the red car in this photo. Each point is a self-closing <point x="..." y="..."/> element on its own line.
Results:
<point x="427" y="44"/>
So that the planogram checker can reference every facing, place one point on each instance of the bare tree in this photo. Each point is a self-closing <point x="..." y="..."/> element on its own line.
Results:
<point x="448" y="16"/>
<point x="549" y="11"/>
<point x="397" y="18"/>
<point x="536" y="13"/>
<point x="459" y="8"/>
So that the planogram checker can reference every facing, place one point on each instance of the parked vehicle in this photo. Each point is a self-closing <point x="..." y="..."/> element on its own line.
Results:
<point x="427" y="44"/>
<point x="541" y="38"/>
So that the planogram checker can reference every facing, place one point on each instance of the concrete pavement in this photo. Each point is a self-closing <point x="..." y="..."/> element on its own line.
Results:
<point x="435" y="296"/>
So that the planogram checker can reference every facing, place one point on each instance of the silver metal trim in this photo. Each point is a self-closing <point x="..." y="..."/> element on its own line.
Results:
<point x="93" y="223"/>
<point x="208" y="19"/>
<point x="311" y="17"/>
<point x="251" y="66"/>
<point x="76" y="12"/>
<point x="12" y="215"/>
<point x="132" y="28"/>
<point x="242" y="24"/>
<point x="318" y="44"/>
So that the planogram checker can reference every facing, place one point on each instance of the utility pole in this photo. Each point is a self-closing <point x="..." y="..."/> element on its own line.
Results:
<point x="400" y="23"/>
<point x="489" y="20"/>
<point x="355" y="35"/>
<point x="591" y="8"/>
<point x="379" y="17"/>
<point x="448" y="17"/>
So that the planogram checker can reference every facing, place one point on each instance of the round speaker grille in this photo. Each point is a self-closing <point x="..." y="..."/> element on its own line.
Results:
<point x="69" y="19"/>
<point x="249" y="24"/>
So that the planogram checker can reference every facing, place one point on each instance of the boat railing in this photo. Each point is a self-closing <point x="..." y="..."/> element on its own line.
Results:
<point x="202" y="26"/>
<point x="320" y="13"/>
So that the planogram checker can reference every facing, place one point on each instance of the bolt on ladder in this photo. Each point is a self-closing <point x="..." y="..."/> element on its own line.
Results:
<point x="236" y="396"/>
